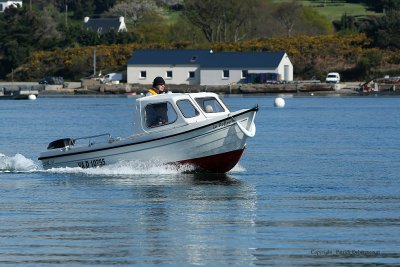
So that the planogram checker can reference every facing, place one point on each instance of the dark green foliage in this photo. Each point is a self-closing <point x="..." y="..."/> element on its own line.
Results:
<point x="366" y="66"/>
<point x="41" y="25"/>
<point x="20" y="34"/>
<point x="384" y="31"/>
<point x="81" y="8"/>
<point x="102" y="6"/>
<point x="113" y="37"/>
<point x="390" y="5"/>
<point x="348" y="23"/>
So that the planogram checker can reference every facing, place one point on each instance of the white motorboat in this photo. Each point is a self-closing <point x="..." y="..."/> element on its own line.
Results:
<point x="175" y="128"/>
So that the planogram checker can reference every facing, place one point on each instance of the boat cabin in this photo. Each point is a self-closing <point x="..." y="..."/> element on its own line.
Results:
<point x="159" y="112"/>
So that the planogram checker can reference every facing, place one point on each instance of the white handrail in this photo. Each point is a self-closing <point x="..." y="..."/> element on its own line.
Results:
<point x="250" y="133"/>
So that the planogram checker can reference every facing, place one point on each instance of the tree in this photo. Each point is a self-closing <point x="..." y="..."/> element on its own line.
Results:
<point x="313" y="23"/>
<point x="288" y="14"/>
<point x="367" y="63"/>
<point x="114" y="37"/>
<point x="25" y="31"/>
<point x="46" y="32"/>
<point x="153" y="29"/>
<point x="346" y="24"/>
<point x="390" y="5"/>
<point x="135" y="10"/>
<point x="183" y="31"/>
<point x="81" y="8"/>
<point x="220" y="20"/>
<point x="102" y="6"/>
<point x="384" y="30"/>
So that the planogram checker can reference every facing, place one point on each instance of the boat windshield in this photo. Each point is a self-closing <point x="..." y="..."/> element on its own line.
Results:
<point x="187" y="108"/>
<point x="210" y="104"/>
<point x="160" y="114"/>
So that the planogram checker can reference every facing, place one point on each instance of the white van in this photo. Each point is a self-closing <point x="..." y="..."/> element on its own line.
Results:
<point x="111" y="77"/>
<point x="333" y="77"/>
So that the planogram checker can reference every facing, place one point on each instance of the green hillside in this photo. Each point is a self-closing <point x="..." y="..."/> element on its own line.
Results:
<point x="333" y="10"/>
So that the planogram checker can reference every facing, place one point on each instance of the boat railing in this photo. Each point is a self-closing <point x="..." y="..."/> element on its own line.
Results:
<point x="90" y="138"/>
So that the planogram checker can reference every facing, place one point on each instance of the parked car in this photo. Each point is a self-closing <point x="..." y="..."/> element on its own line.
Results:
<point x="333" y="77"/>
<point x="52" y="80"/>
<point x="110" y="77"/>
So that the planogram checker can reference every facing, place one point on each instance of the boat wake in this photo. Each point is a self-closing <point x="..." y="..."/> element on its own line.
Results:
<point x="19" y="163"/>
<point x="127" y="168"/>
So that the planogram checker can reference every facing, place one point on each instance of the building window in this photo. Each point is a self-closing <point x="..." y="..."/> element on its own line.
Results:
<point x="191" y="74"/>
<point x="143" y="74"/>
<point x="169" y="74"/>
<point x="225" y="74"/>
<point x="245" y="73"/>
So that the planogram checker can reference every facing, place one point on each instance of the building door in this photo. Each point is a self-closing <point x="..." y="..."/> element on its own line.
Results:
<point x="286" y="73"/>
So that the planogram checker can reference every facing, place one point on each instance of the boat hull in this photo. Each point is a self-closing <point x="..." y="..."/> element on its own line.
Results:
<point x="220" y="163"/>
<point x="214" y="147"/>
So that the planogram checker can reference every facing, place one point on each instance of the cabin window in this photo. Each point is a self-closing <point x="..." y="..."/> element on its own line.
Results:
<point x="210" y="105"/>
<point x="245" y="73"/>
<point x="169" y="74"/>
<point x="191" y="74"/>
<point x="225" y="74"/>
<point x="160" y="114"/>
<point x="187" y="108"/>
<point x="143" y="74"/>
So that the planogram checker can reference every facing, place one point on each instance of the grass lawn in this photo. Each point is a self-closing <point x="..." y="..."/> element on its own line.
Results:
<point x="334" y="11"/>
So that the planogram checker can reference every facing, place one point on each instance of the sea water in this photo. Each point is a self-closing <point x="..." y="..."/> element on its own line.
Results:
<point x="318" y="185"/>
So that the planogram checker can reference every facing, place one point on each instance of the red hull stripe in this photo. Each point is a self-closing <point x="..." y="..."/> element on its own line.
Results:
<point x="220" y="163"/>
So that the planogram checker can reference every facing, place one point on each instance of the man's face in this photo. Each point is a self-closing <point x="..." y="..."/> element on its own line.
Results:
<point x="160" y="87"/>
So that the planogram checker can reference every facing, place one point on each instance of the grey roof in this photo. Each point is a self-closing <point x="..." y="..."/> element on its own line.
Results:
<point x="205" y="59"/>
<point x="105" y="25"/>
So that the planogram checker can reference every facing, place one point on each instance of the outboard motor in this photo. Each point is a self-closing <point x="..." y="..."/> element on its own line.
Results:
<point x="61" y="143"/>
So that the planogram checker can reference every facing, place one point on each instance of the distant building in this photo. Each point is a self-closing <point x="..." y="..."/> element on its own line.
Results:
<point x="102" y="26"/>
<point x="205" y="67"/>
<point x="5" y="4"/>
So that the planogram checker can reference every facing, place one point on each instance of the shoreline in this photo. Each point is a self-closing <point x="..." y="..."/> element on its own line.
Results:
<point x="75" y="90"/>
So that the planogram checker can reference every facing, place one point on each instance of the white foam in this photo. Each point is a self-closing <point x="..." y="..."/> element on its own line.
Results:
<point x="17" y="163"/>
<point x="238" y="168"/>
<point x="127" y="168"/>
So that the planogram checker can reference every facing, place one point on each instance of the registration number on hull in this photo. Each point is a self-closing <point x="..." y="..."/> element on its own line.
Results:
<point x="92" y="163"/>
<point x="223" y="123"/>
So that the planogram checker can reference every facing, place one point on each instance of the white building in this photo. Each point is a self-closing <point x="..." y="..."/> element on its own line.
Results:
<point x="102" y="26"/>
<point x="5" y="4"/>
<point x="204" y="67"/>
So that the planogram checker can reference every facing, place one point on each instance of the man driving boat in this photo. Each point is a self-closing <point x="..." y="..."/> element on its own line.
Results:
<point x="158" y="86"/>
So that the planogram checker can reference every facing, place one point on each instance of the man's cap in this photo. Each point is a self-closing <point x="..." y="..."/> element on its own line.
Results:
<point x="157" y="81"/>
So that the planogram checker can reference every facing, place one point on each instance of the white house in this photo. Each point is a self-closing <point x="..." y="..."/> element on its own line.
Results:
<point x="5" y="4"/>
<point x="205" y="67"/>
<point x="102" y="26"/>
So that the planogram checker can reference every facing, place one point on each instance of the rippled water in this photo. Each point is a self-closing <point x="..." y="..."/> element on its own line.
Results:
<point x="318" y="185"/>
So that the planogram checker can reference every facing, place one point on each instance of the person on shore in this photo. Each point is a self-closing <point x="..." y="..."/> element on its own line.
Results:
<point x="158" y="86"/>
